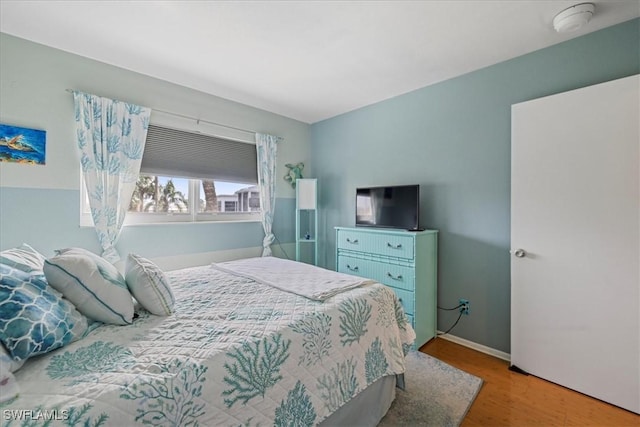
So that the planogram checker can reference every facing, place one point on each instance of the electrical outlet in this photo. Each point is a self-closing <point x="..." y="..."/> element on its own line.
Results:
<point x="465" y="306"/>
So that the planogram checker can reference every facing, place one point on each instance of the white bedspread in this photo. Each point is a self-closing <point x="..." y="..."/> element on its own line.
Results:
<point x="301" y="279"/>
<point x="234" y="353"/>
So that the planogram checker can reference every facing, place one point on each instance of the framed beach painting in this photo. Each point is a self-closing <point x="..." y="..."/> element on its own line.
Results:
<point x="22" y="145"/>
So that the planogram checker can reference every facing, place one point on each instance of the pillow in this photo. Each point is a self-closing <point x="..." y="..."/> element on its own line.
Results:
<point x="24" y="258"/>
<point x="34" y="318"/>
<point x="7" y="362"/>
<point x="92" y="284"/>
<point x="149" y="285"/>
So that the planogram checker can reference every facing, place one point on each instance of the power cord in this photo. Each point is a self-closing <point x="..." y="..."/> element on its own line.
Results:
<point x="452" y="326"/>
<point x="454" y="308"/>
<point x="457" y="320"/>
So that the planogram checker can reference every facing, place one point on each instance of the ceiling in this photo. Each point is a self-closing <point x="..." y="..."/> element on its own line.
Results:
<point x="308" y="60"/>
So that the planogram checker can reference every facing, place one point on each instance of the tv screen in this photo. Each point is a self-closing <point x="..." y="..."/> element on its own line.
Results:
<point x="394" y="206"/>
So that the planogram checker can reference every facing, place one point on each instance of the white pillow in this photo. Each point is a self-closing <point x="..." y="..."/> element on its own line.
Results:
<point x="149" y="285"/>
<point x="24" y="258"/>
<point x="92" y="284"/>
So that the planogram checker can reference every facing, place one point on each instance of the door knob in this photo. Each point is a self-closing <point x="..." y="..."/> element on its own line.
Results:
<point x="519" y="253"/>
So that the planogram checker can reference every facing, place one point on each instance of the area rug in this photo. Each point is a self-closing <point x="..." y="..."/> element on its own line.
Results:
<point x="436" y="394"/>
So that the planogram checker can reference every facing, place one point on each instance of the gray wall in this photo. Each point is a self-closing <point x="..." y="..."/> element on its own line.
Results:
<point x="453" y="138"/>
<point x="40" y="205"/>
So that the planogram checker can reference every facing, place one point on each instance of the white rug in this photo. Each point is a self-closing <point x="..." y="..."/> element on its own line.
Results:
<point x="436" y="394"/>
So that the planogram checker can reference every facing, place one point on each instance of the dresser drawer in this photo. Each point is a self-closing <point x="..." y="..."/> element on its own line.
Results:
<point x="410" y="320"/>
<point x="406" y="299"/>
<point x="354" y="266"/>
<point x="393" y="245"/>
<point x="397" y="276"/>
<point x="363" y="268"/>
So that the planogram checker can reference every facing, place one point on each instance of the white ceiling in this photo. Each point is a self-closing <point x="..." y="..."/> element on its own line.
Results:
<point x="308" y="60"/>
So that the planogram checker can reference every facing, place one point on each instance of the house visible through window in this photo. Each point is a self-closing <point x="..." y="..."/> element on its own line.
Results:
<point x="221" y="196"/>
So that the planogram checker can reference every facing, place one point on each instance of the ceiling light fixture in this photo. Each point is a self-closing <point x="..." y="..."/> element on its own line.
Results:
<point x="573" y="17"/>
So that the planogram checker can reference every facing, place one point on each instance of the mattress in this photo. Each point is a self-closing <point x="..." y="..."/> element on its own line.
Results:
<point x="235" y="352"/>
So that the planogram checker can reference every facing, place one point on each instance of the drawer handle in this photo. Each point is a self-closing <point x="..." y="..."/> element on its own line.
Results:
<point x="398" y="277"/>
<point x="352" y="268"/>
<point x="352" y="241"/>
<point x="399" y="299"/>
<point x="398" y="246"/>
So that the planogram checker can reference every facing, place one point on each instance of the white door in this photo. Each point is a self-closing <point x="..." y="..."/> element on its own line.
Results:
<point x="575" y="214"/>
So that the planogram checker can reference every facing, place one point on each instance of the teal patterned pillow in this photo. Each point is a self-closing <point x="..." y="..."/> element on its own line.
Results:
<point x="92" y="284"/>
<point x="34" y="318"/>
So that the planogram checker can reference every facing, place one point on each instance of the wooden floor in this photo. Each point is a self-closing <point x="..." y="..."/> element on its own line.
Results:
<point x="510" y="399"/>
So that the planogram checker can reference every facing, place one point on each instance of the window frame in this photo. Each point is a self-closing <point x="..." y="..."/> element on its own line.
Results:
<point x="155" y="218"/>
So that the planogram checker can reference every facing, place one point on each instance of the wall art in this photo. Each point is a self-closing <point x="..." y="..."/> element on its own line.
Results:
<point x="22" y="145"/>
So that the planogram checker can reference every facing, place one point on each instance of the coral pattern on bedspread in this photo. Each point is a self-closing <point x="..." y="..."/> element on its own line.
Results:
<point x="235" y="352"/>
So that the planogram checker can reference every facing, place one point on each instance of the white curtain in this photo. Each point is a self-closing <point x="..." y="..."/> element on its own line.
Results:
<point x="111" y="136"/>
<point x="267" y="146"/>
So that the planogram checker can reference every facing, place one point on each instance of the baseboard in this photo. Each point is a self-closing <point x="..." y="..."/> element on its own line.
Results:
<point x="475" y="346"/>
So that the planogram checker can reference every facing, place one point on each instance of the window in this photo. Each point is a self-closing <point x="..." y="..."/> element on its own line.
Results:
<point x="224" y="198"/>
<point x="160" y="194"/>
<point x="187" y="176"/>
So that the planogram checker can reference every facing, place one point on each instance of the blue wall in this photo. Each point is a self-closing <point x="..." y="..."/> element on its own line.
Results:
<point x="453" y="138"/>
<point x="22" y="211"/>
<point x="40" y="205"/>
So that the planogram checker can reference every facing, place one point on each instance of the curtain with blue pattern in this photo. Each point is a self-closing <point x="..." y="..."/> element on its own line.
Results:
<point x="111" y="136"/>
<point x="267" y="146"/>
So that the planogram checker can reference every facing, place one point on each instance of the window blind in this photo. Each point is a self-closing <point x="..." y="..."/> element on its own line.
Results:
<point x="171" y="152"/>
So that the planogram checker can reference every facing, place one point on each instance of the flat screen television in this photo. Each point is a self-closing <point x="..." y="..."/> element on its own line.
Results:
<point x="388" y="207"/>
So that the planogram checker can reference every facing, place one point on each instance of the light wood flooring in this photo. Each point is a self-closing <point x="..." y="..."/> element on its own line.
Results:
<point x="510" y="399"/>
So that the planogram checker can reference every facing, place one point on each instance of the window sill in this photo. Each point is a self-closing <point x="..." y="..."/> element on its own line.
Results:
<point x="86" y="222"/>
<point x="192" y="222"/>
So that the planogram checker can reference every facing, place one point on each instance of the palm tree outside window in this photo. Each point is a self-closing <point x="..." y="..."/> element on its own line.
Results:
<point x="160" y="194"/>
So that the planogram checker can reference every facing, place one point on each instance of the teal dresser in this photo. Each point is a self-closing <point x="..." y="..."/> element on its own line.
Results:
<point x="406" y="261"/>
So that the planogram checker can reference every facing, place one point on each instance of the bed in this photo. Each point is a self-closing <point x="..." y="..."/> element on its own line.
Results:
<point x="238" y="350"/>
